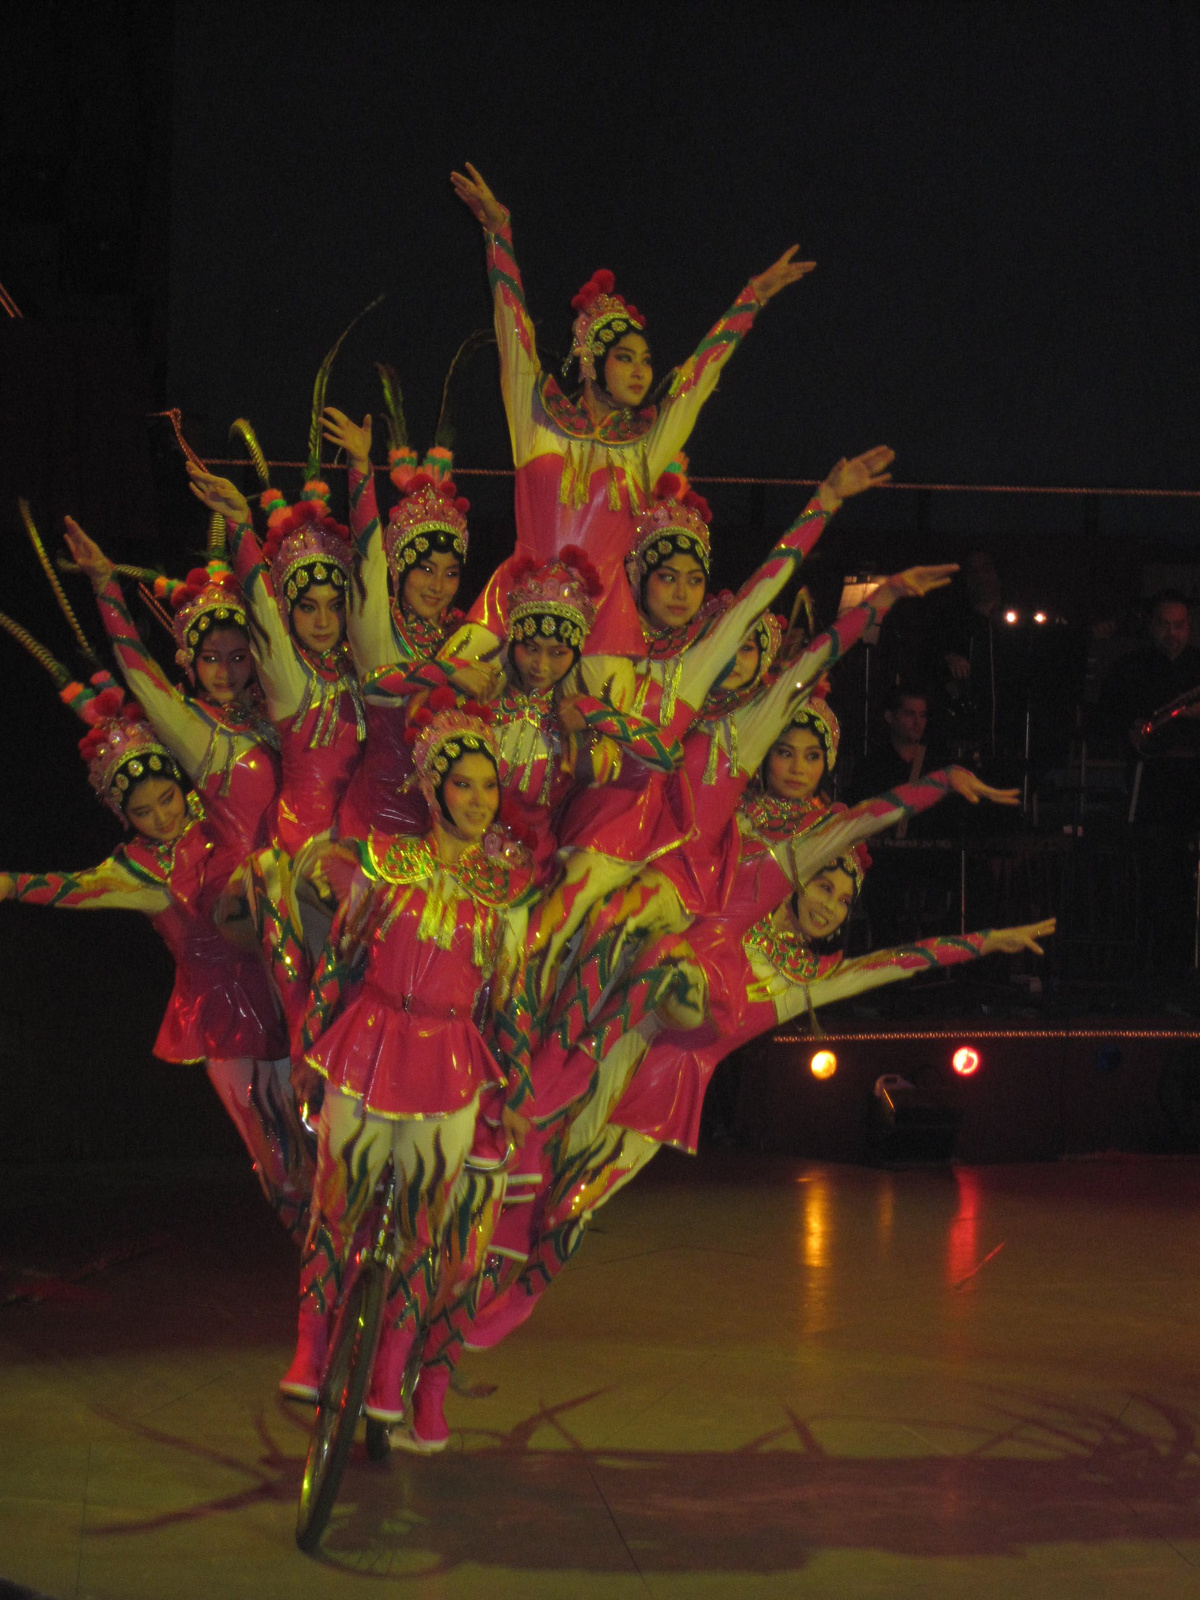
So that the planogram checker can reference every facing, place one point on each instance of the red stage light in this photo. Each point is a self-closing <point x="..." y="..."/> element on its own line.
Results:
<point x="1010" y="616"/>
<point x="823" y="1064"/>
<point x="966" y="1061"/>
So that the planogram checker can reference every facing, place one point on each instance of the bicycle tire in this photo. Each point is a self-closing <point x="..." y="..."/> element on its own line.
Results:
<point x="343" y="1389"/>
<point x="379" y="1443"/>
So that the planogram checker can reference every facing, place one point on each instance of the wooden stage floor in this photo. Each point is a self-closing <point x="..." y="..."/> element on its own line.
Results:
<point x="759" y="1379"/>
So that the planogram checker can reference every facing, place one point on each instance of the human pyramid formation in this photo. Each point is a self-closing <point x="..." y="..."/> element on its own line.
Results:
<point x="498" y="890"/>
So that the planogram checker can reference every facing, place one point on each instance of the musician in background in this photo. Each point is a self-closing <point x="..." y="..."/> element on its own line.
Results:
<point x="1150" y="678"/>
<point x="909" y="888"/>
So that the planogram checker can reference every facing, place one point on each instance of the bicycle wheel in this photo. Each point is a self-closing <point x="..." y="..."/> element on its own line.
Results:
<point x="343" y="1388"/>
<point x="379" y="1444"/>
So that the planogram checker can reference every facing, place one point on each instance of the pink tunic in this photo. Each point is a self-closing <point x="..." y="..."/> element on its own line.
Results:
<point x="221" y="1004"/>
<point x="403" y="1038"/>
<point x="582" y="482"/>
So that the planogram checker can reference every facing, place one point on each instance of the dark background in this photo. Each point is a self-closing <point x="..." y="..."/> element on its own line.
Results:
<point x="195" y="198"/>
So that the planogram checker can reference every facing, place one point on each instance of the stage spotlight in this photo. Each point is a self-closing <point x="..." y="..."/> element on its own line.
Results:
<point x="965" y="1061"/>
<point x="1039" y="616"/>
<point x="823" y="1064"/>
<point x="1010" y="616"/>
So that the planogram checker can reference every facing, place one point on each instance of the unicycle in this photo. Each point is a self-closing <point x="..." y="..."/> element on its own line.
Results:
<point x="347" y="1374"/>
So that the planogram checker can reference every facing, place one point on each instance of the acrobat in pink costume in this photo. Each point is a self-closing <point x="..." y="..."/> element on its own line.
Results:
<point x="313" y="700"/>
<point x="221" y="1010"/>
<point x="578" y="481"/>
<point x="647" y="1084"/>
<point x="392" y="1030"/>
<point x="585" y="1083"/>
<point x="608" y="833"/>
<point x="722" y="751"/>
<point x="383" y="633"/>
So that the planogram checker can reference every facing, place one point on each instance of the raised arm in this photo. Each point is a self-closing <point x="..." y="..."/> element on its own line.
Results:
<point x="279" y="670"/>
<point x="697" y="378"/>
<point x="758" y="724"/>
<point x="709" y="657"/>
<point x="520" y="368"/>
<point x="369" y="626"/>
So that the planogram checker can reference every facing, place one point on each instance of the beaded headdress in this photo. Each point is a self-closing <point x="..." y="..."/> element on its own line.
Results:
<point x="304" y="544"/>
<point x="767" y="634"/>
<point x="604" y="317"/>
<point x="209" y="597"/>
<point x="817" y="716"/>
<point x="854" y="864"/>
<point x="676" y="524"/>
<point x="430" y="514"/>
<point x="120" y="747"/>
<point x="554" y="601"/>
<point x="441" y="731"/>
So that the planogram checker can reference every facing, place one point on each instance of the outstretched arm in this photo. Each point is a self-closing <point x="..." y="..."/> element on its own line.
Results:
<point x="112" y="886"/>
<point x="520" y="368"/>
<point x="705" y="661"/>
<point x="697" y="378"/>
<point x="839" y="831"/>
<point x="906" y="961"/>
<point x="759" y="723"/>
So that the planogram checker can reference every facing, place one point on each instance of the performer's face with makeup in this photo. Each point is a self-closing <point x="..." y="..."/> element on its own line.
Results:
<point x="430" y="585"/>
<point x="628" y="373"/>
<point x="745" y="665"/>
<point x="224" y="665"/>
<point x="319" y="617"/>
<point x="471" y="795"/>
<point x="824" y="903"/>
<point x="156" y="809"/>
<point x="541" y="663"/>
<point x="673" y="591"/>
<point x="796" y="765"/>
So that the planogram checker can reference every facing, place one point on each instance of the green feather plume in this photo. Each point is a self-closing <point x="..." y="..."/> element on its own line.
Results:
<point x="319" y="387"/>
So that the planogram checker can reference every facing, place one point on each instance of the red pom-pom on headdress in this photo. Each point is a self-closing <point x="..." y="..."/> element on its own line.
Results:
<point x="574" y="555"/>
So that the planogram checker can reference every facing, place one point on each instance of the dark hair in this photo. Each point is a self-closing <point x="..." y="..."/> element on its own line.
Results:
<point x="798" y="726"/>
<point x="1169" y="597"/>
<point x="902" y="692"/>
<point x="620" y="327"/>
<point x="439" y="791"/>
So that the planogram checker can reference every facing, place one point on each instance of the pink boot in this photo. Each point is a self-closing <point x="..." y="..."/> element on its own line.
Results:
<point x="427" y="1433"/>
<point x="385" y="1400"/>
<point x="500" y="1316"/>
<point x="302" y="1380"/>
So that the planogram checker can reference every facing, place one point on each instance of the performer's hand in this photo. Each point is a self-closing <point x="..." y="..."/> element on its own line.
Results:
<point x="1010" y="941"/>
<point x="974" y="789"/>
<point x="89" y="557"/>
<point x="515" y="1126"/>
<point x="780" y="274"/>
<point x="349" y="436"/>
<point x="218" y="494"/>
<point x="8" y="886"/>
<point x="480" y="680"/>
<point x="474" y="192"/>
<point x="960" y="667"/>
<point x="849" y="478"/>
<point x="918" y="581"/>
